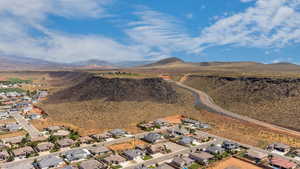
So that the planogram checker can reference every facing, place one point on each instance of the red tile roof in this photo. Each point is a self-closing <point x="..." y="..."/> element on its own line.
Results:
<point x="282" y="162"/>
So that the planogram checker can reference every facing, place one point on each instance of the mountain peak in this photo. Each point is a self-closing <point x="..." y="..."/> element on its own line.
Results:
<point x="166" y="61"/>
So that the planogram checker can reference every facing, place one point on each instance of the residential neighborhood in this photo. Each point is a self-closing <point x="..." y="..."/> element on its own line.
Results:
<point x="166" y="144"/>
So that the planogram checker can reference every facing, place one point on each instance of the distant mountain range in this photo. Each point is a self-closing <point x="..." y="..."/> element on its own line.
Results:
<point x="23" y="63"/>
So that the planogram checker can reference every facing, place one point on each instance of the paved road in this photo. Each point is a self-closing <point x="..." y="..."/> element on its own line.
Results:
<point x="206" y="102"/>
<point x="33" y="132"/>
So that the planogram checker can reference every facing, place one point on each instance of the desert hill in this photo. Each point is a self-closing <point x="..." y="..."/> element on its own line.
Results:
<point x="175" y="65"/>
<point x="271" y="99"/>
<point x="115" y="89"/>
<point x="92" y="102"/>
<point x="166" y="61"/>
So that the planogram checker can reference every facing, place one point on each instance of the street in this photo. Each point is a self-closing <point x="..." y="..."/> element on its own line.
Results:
<point x="33" y="132"/>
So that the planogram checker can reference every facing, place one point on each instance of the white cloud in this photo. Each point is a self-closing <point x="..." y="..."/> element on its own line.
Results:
<point x="269" y="24"/>
<point x="161" y="33"/>
<point x="39" y="9"/>
<point x="20" y="18"/>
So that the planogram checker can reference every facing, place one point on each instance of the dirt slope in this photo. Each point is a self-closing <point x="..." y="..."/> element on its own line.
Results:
<point x="268" y="99"/>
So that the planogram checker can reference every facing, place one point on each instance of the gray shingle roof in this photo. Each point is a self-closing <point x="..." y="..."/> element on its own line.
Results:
<point x="152" y="137"/>
<point x="49" y="161"/>
<point x="131" y="154"/>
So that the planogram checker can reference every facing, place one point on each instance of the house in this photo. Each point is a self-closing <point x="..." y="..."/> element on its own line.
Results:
<point x="53" y="128"/>
<point x="202" y="157"/>
<point x="86" y="140"/>
<point x="99" y="150"/>
<point x="2" y="146"/>
<point x="157" y="148"/>
<point x="34" y="116"/>
<point x="189" y="121"/>
<point x="38" y="139"/>
<point x="77" y="154"/>
<point x="23" y="152"/>
<point x="230" y="146"/>
<point x="114" y="159"/>
<point x="117" y="132"/>
<point x="201" y="138"/>
<point x="152" y="137"/>
<point x="282" y="163"/>
<point x="100" y="137"/>
<point x="4" y="115"/>
<point x="13" y="140"/>
<point x="61" y="133"/>
<point x="215" y="150"/>
<point x="141" y="167"/>
<point x="65" y="142"/>
<point x="256" y="155"/>
<point x="279" y="147"/>
<point x="21" y="165"/>
<point x="4" y="155"/>
<point x="92" y="164"/>
<point x="181" y="162"/>
<point x="133" y="154"/>
<point x="175" y="132"/>
<point x="27" y="108"/>
<point x="13" y="127"/>
<point x="164" y="166"/>
<point x="297" y="152"/>
<point x="185" y="140"/>
<point x="42" y="94"/>
<point x="44" y="146"/>
<point x="202" y="126"/>
<point x="147" y="126"/>
<point x="49" y="162"/>
<point x="69" y="167"/>
<point x="142" y="147"/>
<point x="161" y="123"/>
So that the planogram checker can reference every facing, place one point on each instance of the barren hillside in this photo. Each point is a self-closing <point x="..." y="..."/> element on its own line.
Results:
<point x="273" y="100"/>
<point x="115" y="89"/>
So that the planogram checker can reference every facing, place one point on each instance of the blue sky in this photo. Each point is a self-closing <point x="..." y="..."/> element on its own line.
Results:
<point x="265" y="31"/>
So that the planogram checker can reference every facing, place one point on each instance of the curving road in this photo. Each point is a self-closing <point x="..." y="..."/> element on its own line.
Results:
<point x="204" y="101"/>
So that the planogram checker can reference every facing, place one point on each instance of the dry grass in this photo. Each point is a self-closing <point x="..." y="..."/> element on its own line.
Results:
<point x="234" y="162"/>
<point x="259" y="100"/>
<point x="176" y="119"/>
<point x="127" y="145"/>
<point x="10" y="120"/>
<point x="13" y="134"/>
<point x="97" y="116"/>
<point x="104" y="115"/>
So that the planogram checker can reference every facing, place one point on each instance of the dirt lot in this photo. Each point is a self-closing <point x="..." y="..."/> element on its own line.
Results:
<point x="127" y="146"/>
<point x="10" y="120"/>
<point x="234" y="164"/>
<point x="13" y="134"/>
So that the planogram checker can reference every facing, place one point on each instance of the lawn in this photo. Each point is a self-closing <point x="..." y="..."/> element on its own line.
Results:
<point x="195" y="166"/>
<point x="147" y="157"/>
